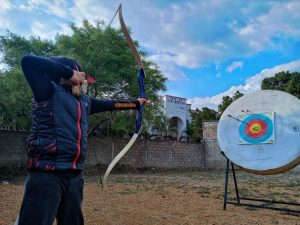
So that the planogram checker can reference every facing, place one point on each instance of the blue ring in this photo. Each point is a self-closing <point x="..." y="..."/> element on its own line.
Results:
<point x="269" y="129"/>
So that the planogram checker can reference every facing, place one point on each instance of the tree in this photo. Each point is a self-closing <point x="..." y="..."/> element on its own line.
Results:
<point x="103" y="53"/>
<point x="15" y="95"/>
<point x="13" y="47"/>
<point x="237" y="95"/>
<point x="226" y="101"/>
<point x="198" y="117"/>
<point x="161" y="125"/>
<point x="283" y="81"/>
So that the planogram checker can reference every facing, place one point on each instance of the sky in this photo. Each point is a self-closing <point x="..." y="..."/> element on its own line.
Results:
<point x="206" y="48"/>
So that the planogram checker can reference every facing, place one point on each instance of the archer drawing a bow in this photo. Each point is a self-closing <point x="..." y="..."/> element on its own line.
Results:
<point x="141" y="76"/>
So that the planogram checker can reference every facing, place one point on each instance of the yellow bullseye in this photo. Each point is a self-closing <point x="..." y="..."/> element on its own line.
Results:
<point x="255" y="128"/>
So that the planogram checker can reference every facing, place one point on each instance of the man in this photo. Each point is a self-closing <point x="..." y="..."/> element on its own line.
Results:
<point x="57" y="147"/>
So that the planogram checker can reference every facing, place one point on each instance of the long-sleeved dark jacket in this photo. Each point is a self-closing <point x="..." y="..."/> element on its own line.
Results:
<point x="58" y="139"/>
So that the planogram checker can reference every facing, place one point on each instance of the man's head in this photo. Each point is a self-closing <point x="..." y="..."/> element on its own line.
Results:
<point x="73" y="64"/>
<point x="67" y="62"/>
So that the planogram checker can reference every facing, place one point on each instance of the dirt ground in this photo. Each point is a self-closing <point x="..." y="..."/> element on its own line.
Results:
<point x="194" y="197"/>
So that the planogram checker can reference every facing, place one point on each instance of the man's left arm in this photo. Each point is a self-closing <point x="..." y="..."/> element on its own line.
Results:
<point x="112" y="105"/>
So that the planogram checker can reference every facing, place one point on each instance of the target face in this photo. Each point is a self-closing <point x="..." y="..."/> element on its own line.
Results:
<point x="256" y="128"/>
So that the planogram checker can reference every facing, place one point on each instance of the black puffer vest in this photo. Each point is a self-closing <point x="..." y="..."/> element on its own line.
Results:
<point x="58" y="139"/>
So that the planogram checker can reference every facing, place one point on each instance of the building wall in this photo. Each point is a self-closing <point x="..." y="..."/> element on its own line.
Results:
<point x="178" y="108"/>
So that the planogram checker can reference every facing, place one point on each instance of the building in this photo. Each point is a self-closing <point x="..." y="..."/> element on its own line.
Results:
<point x="178" y="111"/>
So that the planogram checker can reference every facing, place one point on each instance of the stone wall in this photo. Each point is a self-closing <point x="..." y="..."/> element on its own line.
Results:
<point x="144" y="153"/>
<point x="148" y="153"/>
<point x="213" y="157"/>
<point x="12" y="148"/>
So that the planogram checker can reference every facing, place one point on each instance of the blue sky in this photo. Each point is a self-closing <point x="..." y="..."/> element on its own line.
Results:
<point x="206" y="48"/>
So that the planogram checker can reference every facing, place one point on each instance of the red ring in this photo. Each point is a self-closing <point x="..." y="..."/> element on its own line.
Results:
<point x="259" y="134"/>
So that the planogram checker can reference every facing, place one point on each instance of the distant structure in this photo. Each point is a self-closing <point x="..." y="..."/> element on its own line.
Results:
<point x="178" y="111"/>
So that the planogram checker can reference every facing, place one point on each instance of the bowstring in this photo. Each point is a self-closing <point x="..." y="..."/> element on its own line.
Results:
<point x="98" y="124"/>
<point x="97" y="46"/>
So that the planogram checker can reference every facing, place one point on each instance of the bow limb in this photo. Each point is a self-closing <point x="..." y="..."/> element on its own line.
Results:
<point x="141" y="76"/>
<point x="129" y="40"/>
<point x="118" y="157"/>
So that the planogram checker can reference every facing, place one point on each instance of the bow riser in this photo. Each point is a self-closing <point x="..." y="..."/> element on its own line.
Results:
<point x="139" y="117"/>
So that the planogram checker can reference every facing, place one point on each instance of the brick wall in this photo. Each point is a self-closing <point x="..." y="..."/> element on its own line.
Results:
<point x="144" y="153"/>
<point x="12" y="148"/>
<point x="147" y="153"/>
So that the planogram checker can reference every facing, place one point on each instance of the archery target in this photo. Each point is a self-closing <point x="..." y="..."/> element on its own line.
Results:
<point x="256" y="128"/>
<point x="260" y="132"/>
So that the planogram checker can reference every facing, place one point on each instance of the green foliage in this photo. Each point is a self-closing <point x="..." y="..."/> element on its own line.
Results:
<point x="15" y="95"/>
<point x="103" y="52"/>
<point x="226" y="101"/>
<point x="198" y="116"/>
<point x="161" y="124"/>
<point x="237" y="95"/>
<point x="283" y="81"/>
<point x="15" y="101"/>
<point x="206" y="114"/>
<point x="13" y="47"/>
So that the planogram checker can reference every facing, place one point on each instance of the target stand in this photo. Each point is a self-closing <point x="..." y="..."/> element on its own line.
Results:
<point x="249" y="201"/>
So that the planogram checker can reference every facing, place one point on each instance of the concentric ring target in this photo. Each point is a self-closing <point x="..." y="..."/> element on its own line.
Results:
<point x="260" y="132"/>
<point x="256" y="128"/>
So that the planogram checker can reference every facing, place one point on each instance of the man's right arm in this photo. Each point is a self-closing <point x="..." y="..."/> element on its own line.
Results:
<point x="39" y="73"/>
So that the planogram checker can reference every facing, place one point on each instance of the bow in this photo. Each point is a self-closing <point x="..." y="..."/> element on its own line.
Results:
<point x="141" y="76"/>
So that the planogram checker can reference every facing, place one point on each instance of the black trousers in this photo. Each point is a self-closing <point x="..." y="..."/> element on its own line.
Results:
<point x="50" y="195"/>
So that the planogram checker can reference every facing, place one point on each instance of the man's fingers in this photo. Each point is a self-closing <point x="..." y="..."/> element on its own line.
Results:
<point x="143" y="101"/>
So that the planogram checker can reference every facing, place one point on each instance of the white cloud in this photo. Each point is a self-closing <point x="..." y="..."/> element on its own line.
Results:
<point x="194" y="32"/>
<point x="92" y="10"/>
<point x="169" y="41"/>
<point x="5" y="10"/>
<point x="5" y="5"/>
<point x="25" y="8"/>
<point x="168" y="67"/>
<point x="55" y="7"/>
<point x="282" y="19"/>
<point x="58" y="8"/>
<point x="217" y="34"/>
<point x="41" y="29"/>
<point x="180" y="34"/>
<point x="173" y="36"/>
<point x="33" y="4"/>
<point x="252" y="84"/>
<point x="234" y="65"/>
